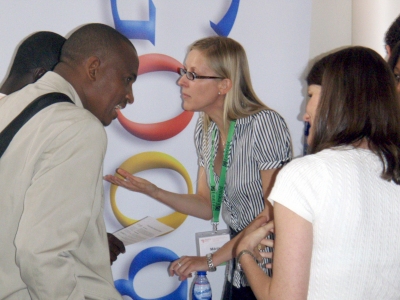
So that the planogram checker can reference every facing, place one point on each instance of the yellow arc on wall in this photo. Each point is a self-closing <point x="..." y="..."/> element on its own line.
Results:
<point x="147" y="161"/>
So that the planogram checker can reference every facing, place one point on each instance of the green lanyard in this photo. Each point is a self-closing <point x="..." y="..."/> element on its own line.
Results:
<point x="217" y="195"/>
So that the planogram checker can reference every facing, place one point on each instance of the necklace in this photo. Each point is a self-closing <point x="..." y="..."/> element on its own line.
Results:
<point x="223" y="142"/>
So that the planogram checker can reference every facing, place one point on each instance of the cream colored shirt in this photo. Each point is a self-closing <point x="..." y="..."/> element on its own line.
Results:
<point x="52" y="232"/>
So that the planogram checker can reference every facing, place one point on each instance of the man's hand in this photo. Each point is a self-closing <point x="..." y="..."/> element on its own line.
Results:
<point x="116" y="247"/>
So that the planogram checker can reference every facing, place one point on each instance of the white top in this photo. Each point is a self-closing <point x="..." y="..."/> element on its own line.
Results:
<point x="2" y="95"/>
<point x="53" y="242"/>
<point x="356" y="222"/>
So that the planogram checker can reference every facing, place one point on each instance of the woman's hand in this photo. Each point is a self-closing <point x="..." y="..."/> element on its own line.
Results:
<point x="133" y="183"/>
<point x="256" y="239"/>
<point x="185" y="265"/>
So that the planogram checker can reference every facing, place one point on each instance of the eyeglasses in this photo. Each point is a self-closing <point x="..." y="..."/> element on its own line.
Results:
<point x="397" y="77"/>
<point x="193" y="75"/>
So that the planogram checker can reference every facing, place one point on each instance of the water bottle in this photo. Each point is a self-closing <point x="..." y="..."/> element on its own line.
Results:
<point x="201" y="287"/>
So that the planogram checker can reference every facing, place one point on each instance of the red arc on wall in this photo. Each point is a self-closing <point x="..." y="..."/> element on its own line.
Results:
<point x="162" y="130"/>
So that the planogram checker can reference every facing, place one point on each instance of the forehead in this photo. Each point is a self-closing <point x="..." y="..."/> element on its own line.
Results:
<point x="314" y="88"/>
<point x="196" y="60"/>
<point x="125" y="58"/>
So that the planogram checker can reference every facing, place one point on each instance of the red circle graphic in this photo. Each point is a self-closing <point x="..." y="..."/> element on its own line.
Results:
<point x="162" y="130"/>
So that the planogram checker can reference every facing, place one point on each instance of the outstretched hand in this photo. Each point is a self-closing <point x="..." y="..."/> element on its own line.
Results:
<point x="133" y="183"/>
<point x="116" y="247"/>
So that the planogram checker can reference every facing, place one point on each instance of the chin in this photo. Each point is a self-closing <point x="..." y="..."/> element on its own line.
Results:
<point x="187" y="107"/>
<point x="106" y="122"/>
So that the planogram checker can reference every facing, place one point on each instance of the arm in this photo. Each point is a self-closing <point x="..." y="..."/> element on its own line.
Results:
<point x="57" y="210"/>
<point x="292" y="257"/>
<point x="197" y="205"/>
<point x="184" y="266"/>
<point x="189" y="264"/>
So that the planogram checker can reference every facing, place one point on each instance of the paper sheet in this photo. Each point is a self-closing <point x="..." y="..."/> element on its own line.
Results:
<point x="146" y="228"/>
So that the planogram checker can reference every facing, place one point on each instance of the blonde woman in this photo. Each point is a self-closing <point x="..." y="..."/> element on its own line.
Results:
<point x="216" y="82"/>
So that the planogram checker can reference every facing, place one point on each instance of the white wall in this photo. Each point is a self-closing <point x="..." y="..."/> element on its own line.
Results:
<point x="331" y="23"/>
<point x="370" y="21"/>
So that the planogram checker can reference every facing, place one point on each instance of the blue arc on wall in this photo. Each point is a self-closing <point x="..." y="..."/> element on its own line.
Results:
<point x="223" y="28"/>
<point x="142" y="30"/>
<point x="147" y="257"/>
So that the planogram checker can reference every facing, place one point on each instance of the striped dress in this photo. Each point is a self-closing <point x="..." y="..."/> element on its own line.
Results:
<point x="260" y="142"/>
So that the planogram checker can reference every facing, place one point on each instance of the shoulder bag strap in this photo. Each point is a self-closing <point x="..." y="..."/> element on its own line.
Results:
<point x="34" y="107"/>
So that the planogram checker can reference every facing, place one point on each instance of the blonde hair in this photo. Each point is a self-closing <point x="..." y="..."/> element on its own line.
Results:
<point x="227" y="59"/>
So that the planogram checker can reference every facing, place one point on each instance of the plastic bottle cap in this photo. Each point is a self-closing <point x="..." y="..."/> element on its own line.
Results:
<point x="201" y="273"/>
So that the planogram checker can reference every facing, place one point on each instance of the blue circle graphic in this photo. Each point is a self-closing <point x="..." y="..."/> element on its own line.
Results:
<point x="144" y="258"/>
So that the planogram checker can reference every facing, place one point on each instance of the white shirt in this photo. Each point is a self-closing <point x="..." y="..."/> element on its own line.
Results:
<point x="356" y="220"/>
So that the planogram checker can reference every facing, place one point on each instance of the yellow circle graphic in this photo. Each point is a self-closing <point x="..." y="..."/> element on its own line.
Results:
<point x="147" y="161"/>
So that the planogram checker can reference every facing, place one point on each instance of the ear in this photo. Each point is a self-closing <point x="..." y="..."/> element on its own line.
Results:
<point x="225" y="86"/>
<point x="388" y="50"/>
<point x="38" y="72"/>
<point x="92" y="66"/>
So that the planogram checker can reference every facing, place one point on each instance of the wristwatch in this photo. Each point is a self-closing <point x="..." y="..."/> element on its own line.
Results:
<point x="211" y="266"/>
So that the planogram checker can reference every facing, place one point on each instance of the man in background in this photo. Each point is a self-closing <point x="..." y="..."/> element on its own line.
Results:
<point x="37" y="54"/>
<point x="52" y="232"/>
<point x="392" y="36"/>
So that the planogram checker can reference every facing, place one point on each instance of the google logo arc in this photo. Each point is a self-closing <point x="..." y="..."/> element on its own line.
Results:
<point x="146" y="161"/>
<point x="162" y="130"/>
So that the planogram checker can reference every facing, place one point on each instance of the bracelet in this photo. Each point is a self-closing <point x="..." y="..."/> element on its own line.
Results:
<point x="211" y="267"/>
<point x="238" y="266"/>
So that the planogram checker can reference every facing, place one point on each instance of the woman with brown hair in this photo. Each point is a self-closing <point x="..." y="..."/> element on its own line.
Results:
<point x="337" y="210"/>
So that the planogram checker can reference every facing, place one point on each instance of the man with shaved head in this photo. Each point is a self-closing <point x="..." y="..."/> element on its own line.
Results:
<point x="52" y="231"/>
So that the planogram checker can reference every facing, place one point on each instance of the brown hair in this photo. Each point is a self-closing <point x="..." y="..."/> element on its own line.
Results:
<point x="359" y="101"/>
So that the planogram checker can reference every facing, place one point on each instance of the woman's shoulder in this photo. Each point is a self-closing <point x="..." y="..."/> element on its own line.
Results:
<point x="326" y="159"/>
<point x="263" y="116"/>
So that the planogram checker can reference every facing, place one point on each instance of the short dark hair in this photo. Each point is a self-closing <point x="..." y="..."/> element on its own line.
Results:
<point x="40" y="50"/>
<point x="392" y="36"/>
<point x="92" y="39"/>
<point x="394" y="57"/>
<point x="359" y="101"/>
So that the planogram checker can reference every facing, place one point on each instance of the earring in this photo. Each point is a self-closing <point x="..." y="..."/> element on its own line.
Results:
<point x="219" y="93"/>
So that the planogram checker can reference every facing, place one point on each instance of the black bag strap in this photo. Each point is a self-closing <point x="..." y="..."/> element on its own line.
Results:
<point x="34" y="107"/>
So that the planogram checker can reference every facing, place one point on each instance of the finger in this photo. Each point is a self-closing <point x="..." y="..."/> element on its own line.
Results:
<point x="109" y="178"/>
<point x="266" y="254"/>
<point x="267" y="242"/>
<point x="113" y="257"/>
<point x="175" y="265"/>
<point x="123" y="173"/>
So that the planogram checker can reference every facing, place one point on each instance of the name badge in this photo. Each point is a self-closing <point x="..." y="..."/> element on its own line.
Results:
<point x="211" y="241"/>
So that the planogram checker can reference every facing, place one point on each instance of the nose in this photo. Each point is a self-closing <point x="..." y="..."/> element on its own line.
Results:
<point x="129" y="96"/>
<point x="183" y="80"/>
